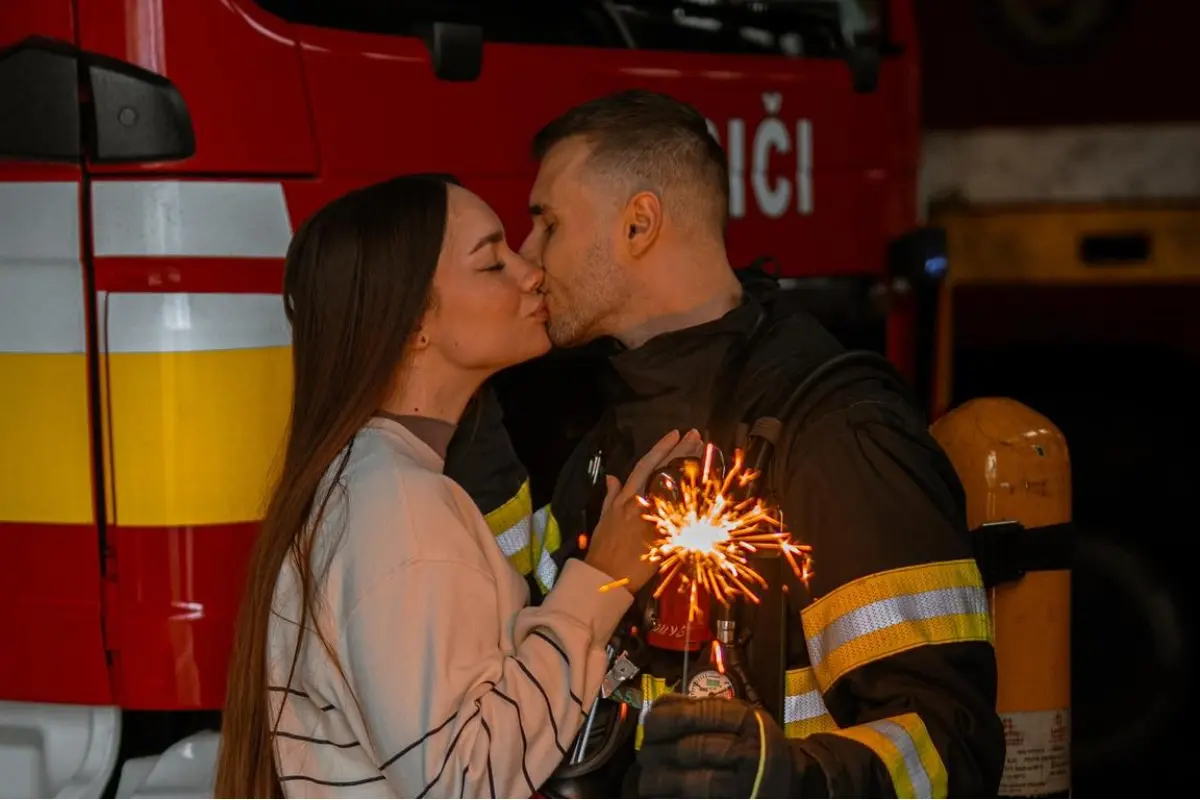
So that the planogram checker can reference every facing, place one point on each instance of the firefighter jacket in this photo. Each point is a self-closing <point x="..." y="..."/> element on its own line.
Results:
<point x="891" y="681"/>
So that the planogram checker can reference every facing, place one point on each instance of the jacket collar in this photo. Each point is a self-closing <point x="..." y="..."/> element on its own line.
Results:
<point x="680" y="360"/>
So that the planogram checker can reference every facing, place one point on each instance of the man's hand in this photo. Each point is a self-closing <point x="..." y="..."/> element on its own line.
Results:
<point x="712" y="748"/>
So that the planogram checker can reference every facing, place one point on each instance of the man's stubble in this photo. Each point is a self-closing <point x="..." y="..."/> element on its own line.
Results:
<point x="588" y="301"/>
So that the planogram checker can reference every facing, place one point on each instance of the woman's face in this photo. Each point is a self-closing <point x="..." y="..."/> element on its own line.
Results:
<point x="488" y="312"/>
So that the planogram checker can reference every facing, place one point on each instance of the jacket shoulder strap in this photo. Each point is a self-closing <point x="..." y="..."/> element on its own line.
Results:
<point x="768" y="624"/>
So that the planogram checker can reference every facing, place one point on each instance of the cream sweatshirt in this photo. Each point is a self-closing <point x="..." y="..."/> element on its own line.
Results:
<point x="449" y="685"/>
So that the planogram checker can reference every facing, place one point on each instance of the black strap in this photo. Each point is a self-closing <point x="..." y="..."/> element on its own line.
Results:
<point x="769" y="621"/>
<point x="771" y="417"/>
<point x="1007" y="551"/>
<point x="835" y="374"/>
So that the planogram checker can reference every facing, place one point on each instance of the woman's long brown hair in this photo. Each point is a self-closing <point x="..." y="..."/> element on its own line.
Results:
<point x="357" y="280"/>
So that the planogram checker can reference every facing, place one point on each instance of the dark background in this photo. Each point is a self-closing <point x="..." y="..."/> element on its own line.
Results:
<point x="1114" y="367"/>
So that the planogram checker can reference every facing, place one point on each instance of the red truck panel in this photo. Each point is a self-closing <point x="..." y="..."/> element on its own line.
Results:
<point x="50" y="566"/>
<point x="241" y="80"/>
<point x="841" y="167"/>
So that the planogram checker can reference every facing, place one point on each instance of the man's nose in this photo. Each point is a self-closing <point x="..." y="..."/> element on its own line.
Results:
<point x="531" y="249"/>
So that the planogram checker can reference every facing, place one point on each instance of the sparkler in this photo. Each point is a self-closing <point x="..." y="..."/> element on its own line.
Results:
<point x="706" y="531"/>
<point x="708" y="523"/>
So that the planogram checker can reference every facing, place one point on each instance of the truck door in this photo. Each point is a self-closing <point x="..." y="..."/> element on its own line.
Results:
<point x="192" y="340"/>
<point x="50" y="509"/>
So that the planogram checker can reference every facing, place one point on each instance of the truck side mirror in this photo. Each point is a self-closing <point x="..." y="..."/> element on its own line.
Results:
<point x="137" y="115"/>
<point x="39" y="101"/>
<point x="455" y="49"/>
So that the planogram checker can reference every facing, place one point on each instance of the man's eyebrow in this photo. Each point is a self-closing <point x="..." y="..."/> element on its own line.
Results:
<point x="495" y="237"/>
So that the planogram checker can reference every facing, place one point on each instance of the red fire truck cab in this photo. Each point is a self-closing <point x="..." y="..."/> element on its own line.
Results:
<point x="156" y="158"/>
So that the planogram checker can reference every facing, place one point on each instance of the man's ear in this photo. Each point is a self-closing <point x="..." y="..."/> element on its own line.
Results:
<point x="643" y="222"/>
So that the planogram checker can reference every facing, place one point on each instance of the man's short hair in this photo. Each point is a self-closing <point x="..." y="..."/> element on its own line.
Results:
<point x="653" y="141"/>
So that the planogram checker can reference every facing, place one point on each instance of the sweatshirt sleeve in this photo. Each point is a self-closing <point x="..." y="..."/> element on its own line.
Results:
<point x="449" y="710"/>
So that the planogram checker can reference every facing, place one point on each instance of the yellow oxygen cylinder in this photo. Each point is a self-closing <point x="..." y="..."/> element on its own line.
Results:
<point x="1015" y="468"/>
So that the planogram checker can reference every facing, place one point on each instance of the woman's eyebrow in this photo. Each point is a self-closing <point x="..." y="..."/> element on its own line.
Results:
<point x="495" y="237"/>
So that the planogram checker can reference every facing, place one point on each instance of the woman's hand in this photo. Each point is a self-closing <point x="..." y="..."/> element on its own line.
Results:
<point x="622" y="536"/>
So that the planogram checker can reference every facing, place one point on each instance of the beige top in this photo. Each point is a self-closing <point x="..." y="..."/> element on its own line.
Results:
<point x="449" y="685"/>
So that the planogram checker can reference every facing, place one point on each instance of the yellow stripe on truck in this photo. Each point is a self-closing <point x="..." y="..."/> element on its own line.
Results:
<point x="199" y="395"/>
<point x="45" y="434"/>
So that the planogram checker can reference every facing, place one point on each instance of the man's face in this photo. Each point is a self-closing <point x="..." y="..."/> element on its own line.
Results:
<point x="576" y="221"/>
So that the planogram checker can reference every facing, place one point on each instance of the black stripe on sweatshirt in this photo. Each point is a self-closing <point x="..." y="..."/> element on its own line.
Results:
<point x="309" y="779"/>
<point x="524" y="740"/>
<point x="562" y="653"/>
<point x="549" y="708"/>
<point x="449" y="754"/>
<point x="313" y="740"/>
<point x="298" y="693"/>
<point x="424" y="736"/>
<point x="428" y="733"/>
<point x="491" y="778"/>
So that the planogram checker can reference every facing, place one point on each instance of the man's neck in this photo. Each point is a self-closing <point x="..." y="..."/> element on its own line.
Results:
<point x="695" y="309"/>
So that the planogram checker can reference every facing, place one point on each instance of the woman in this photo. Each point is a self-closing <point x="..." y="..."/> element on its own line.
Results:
<point x="384" y="648"/>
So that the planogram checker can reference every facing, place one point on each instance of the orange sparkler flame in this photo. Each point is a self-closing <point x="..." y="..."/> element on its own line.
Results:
<point x="705" y="534"/>
<point x="717" y="656"/>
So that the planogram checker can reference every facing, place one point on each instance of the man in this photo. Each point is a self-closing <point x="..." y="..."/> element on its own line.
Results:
<point x="892" y="677"/>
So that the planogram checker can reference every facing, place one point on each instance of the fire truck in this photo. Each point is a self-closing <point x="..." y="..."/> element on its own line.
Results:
<point x="155" y="158"/>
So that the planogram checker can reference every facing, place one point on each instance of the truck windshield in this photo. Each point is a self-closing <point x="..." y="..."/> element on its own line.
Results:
<point x="795" y="28"/>
<point x="804" y="28"/>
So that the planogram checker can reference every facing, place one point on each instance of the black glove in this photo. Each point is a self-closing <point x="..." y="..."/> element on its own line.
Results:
<point x="712" y="748"/>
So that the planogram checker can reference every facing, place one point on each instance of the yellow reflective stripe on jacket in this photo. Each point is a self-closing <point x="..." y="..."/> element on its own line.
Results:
<point x="804" y="711"/>
<point x="652" y="689"/>
<point x="547" y="538"/>
<point x="527" y="538"/>
<point x="890" y="612"/>
<point x="510" y="524"/>
<point x="903" y="745"/>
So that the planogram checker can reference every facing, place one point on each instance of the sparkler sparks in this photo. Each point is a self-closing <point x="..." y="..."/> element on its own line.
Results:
<point x="705" y="533"/>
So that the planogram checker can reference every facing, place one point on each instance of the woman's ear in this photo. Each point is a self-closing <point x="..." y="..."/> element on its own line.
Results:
<point x="423" y="336"/>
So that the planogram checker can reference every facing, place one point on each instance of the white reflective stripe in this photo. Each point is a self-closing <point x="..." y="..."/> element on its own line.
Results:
<point x="884" y="614"/>
<point x="547" y="571"/>
<point x="172" y="323"/>
<point x="41" y="278"/>
<point x="41" y="308"/>
<point x="801" y="707"/>
<point x="190" y="218"/>
<point x="39" y="222"/>
<point x="541" y="518"/>
<point x="922" y="785"/>
<point x="644" y="712"/>
<point x="515" y="539"/>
